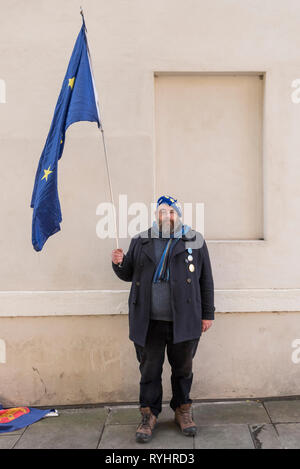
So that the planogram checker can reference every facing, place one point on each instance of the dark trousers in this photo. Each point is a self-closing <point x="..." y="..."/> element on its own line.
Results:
<point x="151" y="359"/>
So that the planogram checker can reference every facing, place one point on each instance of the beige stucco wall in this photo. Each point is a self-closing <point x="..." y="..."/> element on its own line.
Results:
<point x="75" y="360"/>
<point x="63" y="312"/>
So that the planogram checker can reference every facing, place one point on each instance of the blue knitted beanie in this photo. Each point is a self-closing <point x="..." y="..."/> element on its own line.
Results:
<point x="166" y="199"/>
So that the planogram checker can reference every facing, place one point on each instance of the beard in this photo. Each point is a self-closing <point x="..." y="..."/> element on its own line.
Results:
<point x="168" y="227"/>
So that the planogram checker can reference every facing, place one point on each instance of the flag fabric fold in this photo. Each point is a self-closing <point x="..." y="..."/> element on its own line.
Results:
<point x="19" y="417"/>
<point x="77" y="101"/>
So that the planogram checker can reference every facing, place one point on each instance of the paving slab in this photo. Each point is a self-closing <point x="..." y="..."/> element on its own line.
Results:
<point x="265" y="436"/>
<point x="224" y="425"/>
<point x="283" y="411"/>
<point x="73" y="428"/>
<point x="7" y="441"/>
<point x="166" y="435"/>
<point x="128" y="415"/>
<point x="248" y="412"/>
<point x="231" y="436"/>
<point x="289" y="434"/>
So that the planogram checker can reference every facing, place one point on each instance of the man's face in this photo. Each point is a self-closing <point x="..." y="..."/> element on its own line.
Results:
<point x="167" y="218"/>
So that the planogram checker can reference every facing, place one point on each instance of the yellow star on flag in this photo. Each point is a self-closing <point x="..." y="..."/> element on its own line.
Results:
<point x="71" y="82"/>
<point x="47" y="172"/>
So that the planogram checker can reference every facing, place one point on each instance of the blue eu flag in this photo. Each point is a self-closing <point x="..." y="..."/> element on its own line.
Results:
<point x="77" y="102"/>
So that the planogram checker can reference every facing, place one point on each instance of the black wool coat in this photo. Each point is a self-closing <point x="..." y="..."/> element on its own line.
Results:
<point x="192" y="293"/>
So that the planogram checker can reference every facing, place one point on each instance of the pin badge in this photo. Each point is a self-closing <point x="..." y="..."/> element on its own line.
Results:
<point x="190" y="258"/>
<point x="190" y="250"/>
<point x="191" y="267"/>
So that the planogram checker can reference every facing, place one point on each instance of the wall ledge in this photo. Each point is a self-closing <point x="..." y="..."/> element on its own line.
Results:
<point x="114" y="302"/>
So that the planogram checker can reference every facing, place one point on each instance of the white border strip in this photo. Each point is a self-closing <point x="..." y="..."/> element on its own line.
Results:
<point x="112" y="302"/>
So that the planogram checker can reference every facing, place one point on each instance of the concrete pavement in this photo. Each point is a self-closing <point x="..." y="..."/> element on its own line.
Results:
<point x="260" y="424"/>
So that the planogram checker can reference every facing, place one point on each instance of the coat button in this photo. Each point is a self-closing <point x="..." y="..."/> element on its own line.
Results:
<point x="188" y="280"/>
<point x="137" y="283"/>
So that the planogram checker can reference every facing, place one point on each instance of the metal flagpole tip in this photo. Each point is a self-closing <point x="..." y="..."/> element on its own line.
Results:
<point x="81" y="12"/>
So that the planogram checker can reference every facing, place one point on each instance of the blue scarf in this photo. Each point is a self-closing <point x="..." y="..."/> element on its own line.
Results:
<point x="162" y="273"/>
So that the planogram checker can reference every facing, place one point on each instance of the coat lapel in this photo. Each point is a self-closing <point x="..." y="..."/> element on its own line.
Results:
<point x="180" y="246"/>
<point x="148" y="247"/>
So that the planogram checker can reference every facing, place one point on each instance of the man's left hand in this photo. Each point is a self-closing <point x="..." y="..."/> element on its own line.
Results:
<point x="206" y="324"/>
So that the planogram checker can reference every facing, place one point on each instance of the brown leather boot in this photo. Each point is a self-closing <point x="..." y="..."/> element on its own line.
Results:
<point x="183" y="418"/>
<point x="144" y="430"/>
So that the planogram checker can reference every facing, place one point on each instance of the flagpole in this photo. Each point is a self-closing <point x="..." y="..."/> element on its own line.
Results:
<point x="110" y="186"/>
<point x="103" y="139"/>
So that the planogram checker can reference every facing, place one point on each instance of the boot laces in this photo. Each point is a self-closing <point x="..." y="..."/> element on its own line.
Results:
<point x="186" y="415"/>
<point x="145" y="421"/>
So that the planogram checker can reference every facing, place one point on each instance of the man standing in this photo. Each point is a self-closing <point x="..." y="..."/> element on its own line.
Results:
<point x="171" y="303"/>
